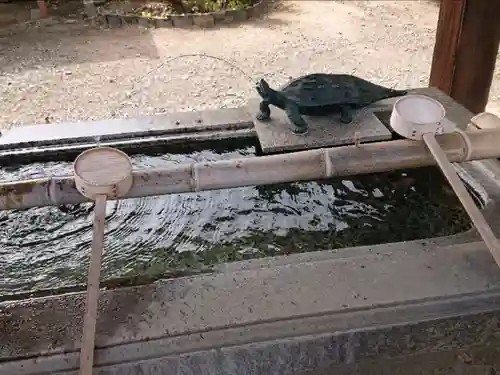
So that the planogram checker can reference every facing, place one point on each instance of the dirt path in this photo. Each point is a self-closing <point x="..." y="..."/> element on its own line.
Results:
<point x="69" y="72"/>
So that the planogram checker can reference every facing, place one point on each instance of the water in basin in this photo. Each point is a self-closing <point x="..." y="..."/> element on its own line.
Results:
<point x="46" y="248"/>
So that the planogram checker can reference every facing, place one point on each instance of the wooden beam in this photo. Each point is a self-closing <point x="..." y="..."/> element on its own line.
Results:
<point x="477" y="54"/>
<point x="43" y="8"/>
<point x="466" y="50"/>
<point x="445" y="48"/>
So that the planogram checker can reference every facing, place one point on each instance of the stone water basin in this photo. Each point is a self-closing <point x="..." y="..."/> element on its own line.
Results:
<point x="157" y="237"/>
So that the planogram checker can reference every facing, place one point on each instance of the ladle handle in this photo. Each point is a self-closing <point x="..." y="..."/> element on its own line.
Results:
<point x="89" y="323"/>
<point x="463" y="195"/>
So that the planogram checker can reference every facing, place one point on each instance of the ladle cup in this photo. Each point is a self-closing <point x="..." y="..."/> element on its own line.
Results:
<point x="419" y="117"/>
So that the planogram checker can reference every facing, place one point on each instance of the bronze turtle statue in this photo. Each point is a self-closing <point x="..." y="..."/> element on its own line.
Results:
<point x="319" y="95"/>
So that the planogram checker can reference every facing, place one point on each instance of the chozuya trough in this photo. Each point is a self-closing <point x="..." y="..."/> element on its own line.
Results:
<point x="304" y="165"/>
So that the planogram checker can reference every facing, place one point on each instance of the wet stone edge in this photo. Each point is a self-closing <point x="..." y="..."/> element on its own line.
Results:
<point x="111" y="19"/>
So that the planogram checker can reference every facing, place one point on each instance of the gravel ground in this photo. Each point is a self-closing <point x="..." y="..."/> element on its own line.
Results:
<point x="56" y="71"/>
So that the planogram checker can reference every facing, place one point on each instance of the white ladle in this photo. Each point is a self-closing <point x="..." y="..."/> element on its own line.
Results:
<point x="100" y="173"/>
<point x="421" y="117"/>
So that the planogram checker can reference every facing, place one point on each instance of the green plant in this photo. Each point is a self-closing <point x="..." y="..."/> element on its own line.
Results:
<point x="165" y="7"/>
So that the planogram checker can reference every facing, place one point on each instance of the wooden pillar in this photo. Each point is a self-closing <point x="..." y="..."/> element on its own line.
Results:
<point x="466" y="49"/>
<point x="43" y="8"/>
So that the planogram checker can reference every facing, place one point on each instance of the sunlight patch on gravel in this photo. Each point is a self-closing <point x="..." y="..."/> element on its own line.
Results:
<point x="67" y="72"/>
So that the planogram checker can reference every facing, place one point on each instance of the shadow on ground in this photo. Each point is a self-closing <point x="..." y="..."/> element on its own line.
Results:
<point x="52" y="42"/>
<point x="65" y="38"/>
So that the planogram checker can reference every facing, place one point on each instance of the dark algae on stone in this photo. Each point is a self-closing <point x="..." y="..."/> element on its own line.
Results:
<point x="179" y="234"/>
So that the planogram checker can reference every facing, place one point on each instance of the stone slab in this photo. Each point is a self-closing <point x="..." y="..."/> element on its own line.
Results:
<point x="90" y="131"/>
<point x="276" y="135"/>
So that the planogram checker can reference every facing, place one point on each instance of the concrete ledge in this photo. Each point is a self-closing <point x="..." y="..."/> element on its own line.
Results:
<point x="62" y="141"/>
<point x="135" y="145"/>
<point x="120" y="129"/>
<point x="284" y="306"/>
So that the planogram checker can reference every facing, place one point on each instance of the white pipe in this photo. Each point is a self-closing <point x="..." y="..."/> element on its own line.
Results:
<point x="263" y="170"/>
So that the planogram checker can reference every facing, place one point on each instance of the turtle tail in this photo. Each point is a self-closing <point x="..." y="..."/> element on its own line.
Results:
<point x="395" y="93"/>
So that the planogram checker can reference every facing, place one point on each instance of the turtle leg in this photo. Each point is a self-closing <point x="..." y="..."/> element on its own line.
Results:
<point x="293" y="114"/>
<point x="264" y="112"/>
<point x="345" y="114"/>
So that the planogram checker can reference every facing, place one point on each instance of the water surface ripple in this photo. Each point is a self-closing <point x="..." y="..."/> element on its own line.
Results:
<point x="48" y="247"/>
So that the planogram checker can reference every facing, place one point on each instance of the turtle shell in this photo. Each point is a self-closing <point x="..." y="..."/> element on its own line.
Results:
<point x="323" y="90"/>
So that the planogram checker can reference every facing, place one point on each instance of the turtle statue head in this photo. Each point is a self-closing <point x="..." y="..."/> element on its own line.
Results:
<point x="264" y="90"/>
